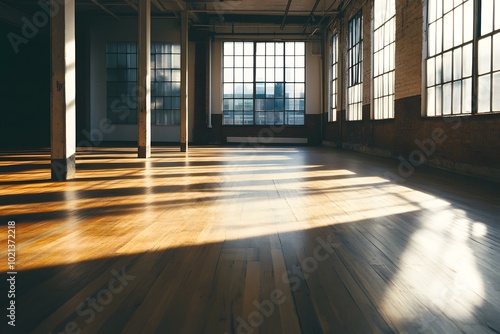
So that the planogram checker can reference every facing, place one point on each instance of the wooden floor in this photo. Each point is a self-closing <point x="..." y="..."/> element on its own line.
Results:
<point x="249" y="240"/>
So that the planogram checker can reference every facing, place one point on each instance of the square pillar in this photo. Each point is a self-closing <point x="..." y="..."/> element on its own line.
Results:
<point x="184" y="81"/>
<point x="144" y="80"/>
<point x="63" y="90"/>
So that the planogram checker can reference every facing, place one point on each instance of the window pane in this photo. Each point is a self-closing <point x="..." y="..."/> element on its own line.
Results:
<point x="484" y="83"/>
<point x="458" y="21"/>
<point x="447" y="99"/>
<point x="486" y="16"/>
<point x="457" y="64"/>
<point x="467" y="96"/>
<point x="468" y="20"/>
<point x="447" y="66"/>
<point x="484" y="54"/>
<point x="496" y="49"/>
<point x="496" y="92"/>
<point x="448" y="30"/>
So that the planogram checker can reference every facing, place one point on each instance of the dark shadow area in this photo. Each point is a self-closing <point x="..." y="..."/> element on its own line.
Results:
<point x="24" y="91"/>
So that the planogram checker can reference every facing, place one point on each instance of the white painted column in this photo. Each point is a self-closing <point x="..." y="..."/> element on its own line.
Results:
<point x="184" y="81"/>
<point x="63" y="91"/>
<point x="144" y="80"/>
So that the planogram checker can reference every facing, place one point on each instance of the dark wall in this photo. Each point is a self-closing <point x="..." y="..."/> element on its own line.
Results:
<point x="24" y="91"/>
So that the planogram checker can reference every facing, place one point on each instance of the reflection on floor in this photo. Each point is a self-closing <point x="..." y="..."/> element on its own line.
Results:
<point x="249" y="240"/>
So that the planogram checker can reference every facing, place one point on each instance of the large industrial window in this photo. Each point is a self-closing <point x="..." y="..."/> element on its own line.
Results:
<point x="450" y="54"/>
<point x="121" y="70"/>
<point x="165" y="84"/>
<point x="122" y="89"/>
<point x="332" y="115"/>
<point x="489" y="57"/>
<point x="384" y="37"/>
<point x="355" y="69"/>
<point x="264" y="83"/>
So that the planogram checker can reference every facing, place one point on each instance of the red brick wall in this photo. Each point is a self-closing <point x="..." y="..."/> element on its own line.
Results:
<point x="467" y="144"/>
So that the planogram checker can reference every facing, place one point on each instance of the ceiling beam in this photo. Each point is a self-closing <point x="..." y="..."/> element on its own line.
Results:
<point x="286" y="14"/>
<point x="158" y="5"/>
<point x="95" y="2"/>
<point x="311" y="16"/>
<point x="132" y="4"/>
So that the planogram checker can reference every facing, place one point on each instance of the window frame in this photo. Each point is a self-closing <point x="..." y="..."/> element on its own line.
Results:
<point x="383" y="105"/>
<point x="334" y="78"/>
<point x="268" y="77"/>
<point x="474" y="92"/>
<point x="354" y="84"/>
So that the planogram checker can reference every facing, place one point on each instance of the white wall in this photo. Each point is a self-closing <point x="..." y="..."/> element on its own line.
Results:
<point x="126" y="30"/>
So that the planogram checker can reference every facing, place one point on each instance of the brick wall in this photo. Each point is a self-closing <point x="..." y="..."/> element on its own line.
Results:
<point x="467" y="144"/>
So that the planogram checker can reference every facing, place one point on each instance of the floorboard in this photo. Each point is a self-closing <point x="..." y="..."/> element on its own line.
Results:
<point x="249" y="240"/>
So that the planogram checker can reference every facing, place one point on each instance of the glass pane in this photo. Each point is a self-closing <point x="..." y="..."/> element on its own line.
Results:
<point x="448" y="5"/>
<point x="447" y="66"/>
<point x="260" y="74"/>
<point x="457" y="97"/>
<point x="228" y="118"/>
<point x="484" y="52"/>
<point x="431" y="8"/>
<point x="279" y="75"/>
<point x="458" y="18"/>
<point x="439" y="36"/>
<point x="279" y="90"/>
<point x="447" y="98"/>
<point x="238" y="48"/>
<point x="486" y="16"/>
<point x="248" y="61"/>
<point x="238" y="90"/>
<point x="300" y="48"/>
<point x="439" y="100"/>
<point x="496" y="92"/>
<point x="299" y="90"/>
<point x="238" y="61"/>
<point x="228" y="90"/>
<point x="228" y="104"/>
<point x="248" y="90"/>
<point x="248" y="75"/>
<point x="260" y="90"/>
<point x="484" y="93"/>
<point x="248" y="48"/>
<point x="238" y="104"/>
<point x="467" y="96"/>
<point x="289" y="48"/>
<point x="467" y="60"/>
<point x="497" y="16"/>
<point x="300" y="75"/>
<point x="269" y="90"/>
<point x="280" y="49"/>
<point x="496" y="49"/>
<point x="439" y="69"/>
<point x="261" y="49"/>
<point x="432" y="39"/>
<point x="228" y="75"/>
<point x="468" y="20"/>
<point x="457" y="64"/>
<point x="238" y="74"/>
<point x="260" y="61"/>
<point x="260" y="104"/>
<point x="248" y="104"/>
<point x="448" y="30"/>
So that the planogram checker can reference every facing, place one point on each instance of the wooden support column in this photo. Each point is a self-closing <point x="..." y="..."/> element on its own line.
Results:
<point x="63" y="91"/>
<point x="184" y="82"/>
<point x="144" y="80"/>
